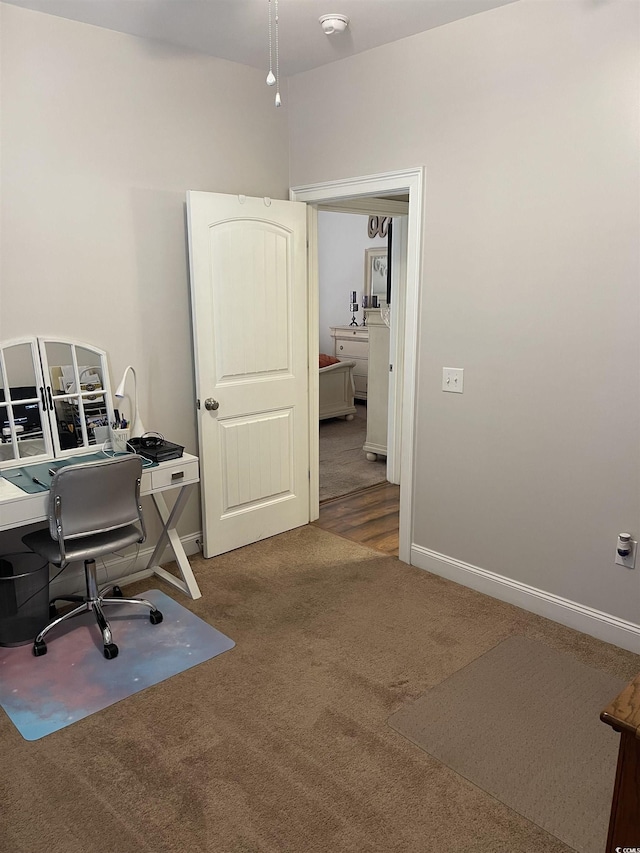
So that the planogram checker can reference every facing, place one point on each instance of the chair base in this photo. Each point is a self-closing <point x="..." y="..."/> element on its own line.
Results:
<point x="94" y="601"/>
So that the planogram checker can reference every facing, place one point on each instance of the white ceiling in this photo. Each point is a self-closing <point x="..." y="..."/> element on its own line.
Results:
<point x="238" y="29"/>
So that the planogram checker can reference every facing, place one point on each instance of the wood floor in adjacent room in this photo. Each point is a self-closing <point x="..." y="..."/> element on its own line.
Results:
<point x="370" y="517"/>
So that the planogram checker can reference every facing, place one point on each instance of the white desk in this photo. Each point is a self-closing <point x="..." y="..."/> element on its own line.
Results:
<point x="17" y="508"/>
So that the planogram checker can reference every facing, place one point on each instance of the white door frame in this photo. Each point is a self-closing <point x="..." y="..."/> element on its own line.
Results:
<point x="398" y="263"/>
<point x="386" y="183"/>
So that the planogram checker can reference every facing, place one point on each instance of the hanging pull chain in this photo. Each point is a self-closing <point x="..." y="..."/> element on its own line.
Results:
<point x="270" y="78"/>
<point x="278" y="99"/>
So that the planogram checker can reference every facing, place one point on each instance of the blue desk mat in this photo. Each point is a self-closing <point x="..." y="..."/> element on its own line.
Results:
<point x="42" y="471"/>
<point x="44" y="694"/>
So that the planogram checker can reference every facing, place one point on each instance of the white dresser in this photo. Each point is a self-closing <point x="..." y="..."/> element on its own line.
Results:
<point x="352" y="343"/>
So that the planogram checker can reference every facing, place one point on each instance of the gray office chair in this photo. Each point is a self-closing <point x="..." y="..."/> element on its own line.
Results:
<point x="94" y="510"/>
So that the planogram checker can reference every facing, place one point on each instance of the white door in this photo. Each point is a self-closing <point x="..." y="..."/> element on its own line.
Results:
<point x="249" y="308"/>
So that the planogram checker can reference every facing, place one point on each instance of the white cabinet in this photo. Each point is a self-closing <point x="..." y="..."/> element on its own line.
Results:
<point x="378" y="386"/>
<point x="352" y="343"/>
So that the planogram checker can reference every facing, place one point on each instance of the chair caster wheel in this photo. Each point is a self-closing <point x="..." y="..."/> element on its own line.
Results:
<point x="39" y="648"/>
<point x="117" y="592"/>
<point x="155" y="617"/>
<point x="53" y="611"/>
<point x="110" y="651"/>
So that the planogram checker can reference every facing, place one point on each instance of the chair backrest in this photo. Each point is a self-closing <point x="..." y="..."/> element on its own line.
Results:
<point x="95" y="497"/>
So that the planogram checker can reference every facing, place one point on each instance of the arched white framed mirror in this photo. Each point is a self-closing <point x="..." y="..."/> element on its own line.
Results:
<point x="55" y="399"/>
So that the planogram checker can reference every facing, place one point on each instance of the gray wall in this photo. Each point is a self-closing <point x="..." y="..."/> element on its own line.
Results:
<point x="102" y="134"/>
<point x="526" y="119"/>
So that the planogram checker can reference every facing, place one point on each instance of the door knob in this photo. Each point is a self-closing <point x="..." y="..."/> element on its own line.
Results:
<point x="211" y="405"/>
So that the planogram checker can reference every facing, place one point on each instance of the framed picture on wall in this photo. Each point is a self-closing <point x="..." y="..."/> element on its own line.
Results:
<point x="375" y="275"/>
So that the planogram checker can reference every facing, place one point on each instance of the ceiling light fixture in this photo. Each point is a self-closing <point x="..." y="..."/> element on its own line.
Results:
<point x="333" y="23"/>
<point x="274" y="79"/>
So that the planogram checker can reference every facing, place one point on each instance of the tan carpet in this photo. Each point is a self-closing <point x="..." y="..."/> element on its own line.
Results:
<point x="344" y="467"/>
<point x="282" y="743"/>
<point x="522" y="722"/>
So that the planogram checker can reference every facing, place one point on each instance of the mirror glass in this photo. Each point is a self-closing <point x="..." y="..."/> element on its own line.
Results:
<point x="21" y="417"/>
<point x="92" y="401"/>
<point x="375" y="276"/>
<point x="63" y="379"/>
<point x="76" y="374"/>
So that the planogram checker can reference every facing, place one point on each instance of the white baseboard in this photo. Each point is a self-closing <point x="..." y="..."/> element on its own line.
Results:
<point x="118" y="570"/>
<point x="604" y="626"/>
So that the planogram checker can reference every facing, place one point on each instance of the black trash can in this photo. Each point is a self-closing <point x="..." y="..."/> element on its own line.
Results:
<point x="24" y="597"/>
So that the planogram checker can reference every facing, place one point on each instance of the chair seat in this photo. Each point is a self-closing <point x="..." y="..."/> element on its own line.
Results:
<point x="86" y="548"/>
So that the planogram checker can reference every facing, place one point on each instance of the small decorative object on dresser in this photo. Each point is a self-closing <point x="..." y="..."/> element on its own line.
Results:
<point x="353" y="307"/>
<point x="352" y="342"/>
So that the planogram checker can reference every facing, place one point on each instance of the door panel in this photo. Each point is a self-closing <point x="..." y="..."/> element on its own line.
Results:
<point x="253" y="323"/>
<point x="249" y="305"/>
<point x="258" y="460"/>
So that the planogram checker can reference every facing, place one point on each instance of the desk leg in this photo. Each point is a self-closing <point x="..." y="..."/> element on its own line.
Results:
<point x="169" y="536"/>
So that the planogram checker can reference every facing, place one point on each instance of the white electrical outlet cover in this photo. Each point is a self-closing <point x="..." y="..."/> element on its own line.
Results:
<point x="630" y="561"/>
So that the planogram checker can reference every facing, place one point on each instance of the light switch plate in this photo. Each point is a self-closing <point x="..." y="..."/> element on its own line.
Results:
<point x="453" y="379"/>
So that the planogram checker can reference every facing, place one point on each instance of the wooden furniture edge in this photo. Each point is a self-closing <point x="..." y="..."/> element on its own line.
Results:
<point x="623" y="713"/>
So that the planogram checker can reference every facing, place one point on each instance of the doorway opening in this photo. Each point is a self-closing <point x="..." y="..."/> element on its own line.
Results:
<point x="353" y="404"/>
<point x="358" y="499"/>
<point x="364" y="192"/>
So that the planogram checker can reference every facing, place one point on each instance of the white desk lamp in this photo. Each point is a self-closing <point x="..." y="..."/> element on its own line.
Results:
<point x="137" y="428"/>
